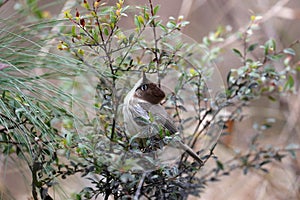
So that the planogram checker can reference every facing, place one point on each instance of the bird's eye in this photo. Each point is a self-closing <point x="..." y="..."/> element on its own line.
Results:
<point x="144" y="87"/>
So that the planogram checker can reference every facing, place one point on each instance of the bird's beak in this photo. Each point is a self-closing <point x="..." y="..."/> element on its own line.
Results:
<point x="144" y="78"/>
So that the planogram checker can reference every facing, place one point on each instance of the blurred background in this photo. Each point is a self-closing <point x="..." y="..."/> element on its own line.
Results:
<point x="281" y="21"/>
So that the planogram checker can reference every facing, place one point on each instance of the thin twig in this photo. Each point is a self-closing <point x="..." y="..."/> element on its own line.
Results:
<point x="155" y="51"/>
<point x="138" y="191"/>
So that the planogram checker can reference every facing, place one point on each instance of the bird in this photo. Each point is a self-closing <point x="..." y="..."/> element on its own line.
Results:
<point x="144" y="116"/>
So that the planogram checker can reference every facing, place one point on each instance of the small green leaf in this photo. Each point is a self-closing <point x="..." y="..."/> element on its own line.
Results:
<point x="290" y="83"/>
<point x="141" y="19"/>
<point x="272" y="98"/>
<point x="80" y="52"/>
<point x="136" y="22"/>
<point x="252" y="47"/>
<point x="237" y="52"/>
<point x="95" y="34"/>
<point x="220" y="165"/>
<point x="155" y="9"/>
<point x="146" y="15"/>
<point x="86" y="5"/>
<point x="171" y="24"/>
<point x="289" y="51"/>
<point x="68" y="14"/>
<point x="270" y="45"/>
<point x="105" y="30"/>
<point x="163" y="27"/>
<point x="69" y="139"/>
<point x="130" y="38"/>
<point x="276" y="57"/>
<point x="73" y="31"/>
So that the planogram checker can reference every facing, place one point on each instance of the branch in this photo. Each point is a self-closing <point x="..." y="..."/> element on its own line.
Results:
<point x="4" y="2"/>
<point x="138" y="191"/>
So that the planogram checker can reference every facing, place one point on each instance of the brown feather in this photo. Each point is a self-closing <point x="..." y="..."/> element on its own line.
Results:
<point x="151" y="94"/>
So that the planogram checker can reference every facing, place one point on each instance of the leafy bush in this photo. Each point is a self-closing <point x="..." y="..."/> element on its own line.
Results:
<point x="66" y="118"/>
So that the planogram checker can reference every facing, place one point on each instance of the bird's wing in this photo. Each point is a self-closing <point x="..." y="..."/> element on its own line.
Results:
<point x="160" y="116"/>
<point x="139" y="115"/>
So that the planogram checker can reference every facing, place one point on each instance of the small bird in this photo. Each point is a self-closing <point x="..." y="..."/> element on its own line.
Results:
<point x="144" y="116"/>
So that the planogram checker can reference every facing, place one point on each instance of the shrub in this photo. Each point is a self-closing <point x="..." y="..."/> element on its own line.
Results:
<point x="77" y="128"/>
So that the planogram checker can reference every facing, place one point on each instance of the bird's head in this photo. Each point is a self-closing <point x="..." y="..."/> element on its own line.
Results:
<point x="149" y="91"/>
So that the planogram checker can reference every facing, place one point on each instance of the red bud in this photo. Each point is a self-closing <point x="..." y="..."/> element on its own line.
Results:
<point x="82" y="22"/>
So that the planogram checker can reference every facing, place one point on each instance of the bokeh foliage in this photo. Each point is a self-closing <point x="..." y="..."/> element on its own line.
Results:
<point x="40" y="121"/>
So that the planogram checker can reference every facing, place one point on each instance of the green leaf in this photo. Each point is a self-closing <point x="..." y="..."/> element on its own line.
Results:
<point x="220" y="165"/>
<point x="270" y="45"/>
<point x="163" y="28"/>
<point x="276" y="57"/>
<point x="86" y="5"/>
<point x="171" y="24"/>
<point x="290" y="83"/>
<point x="69" y="139"/>
<point x="155" y="9"/>
<point x="272" y="98"/>
<point x="131" y="37"/>
<point x="141" y="19"/>
<point x="252" y="47"/>
<point x="105" y="30"/>
<point x="74" y="31"/>
<point x="289" y="51"/>
<point x="237" y="52"/>
<point x="95" y="34"/>
<point x="146" y="15"/>
<point x="137" y="22"/>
